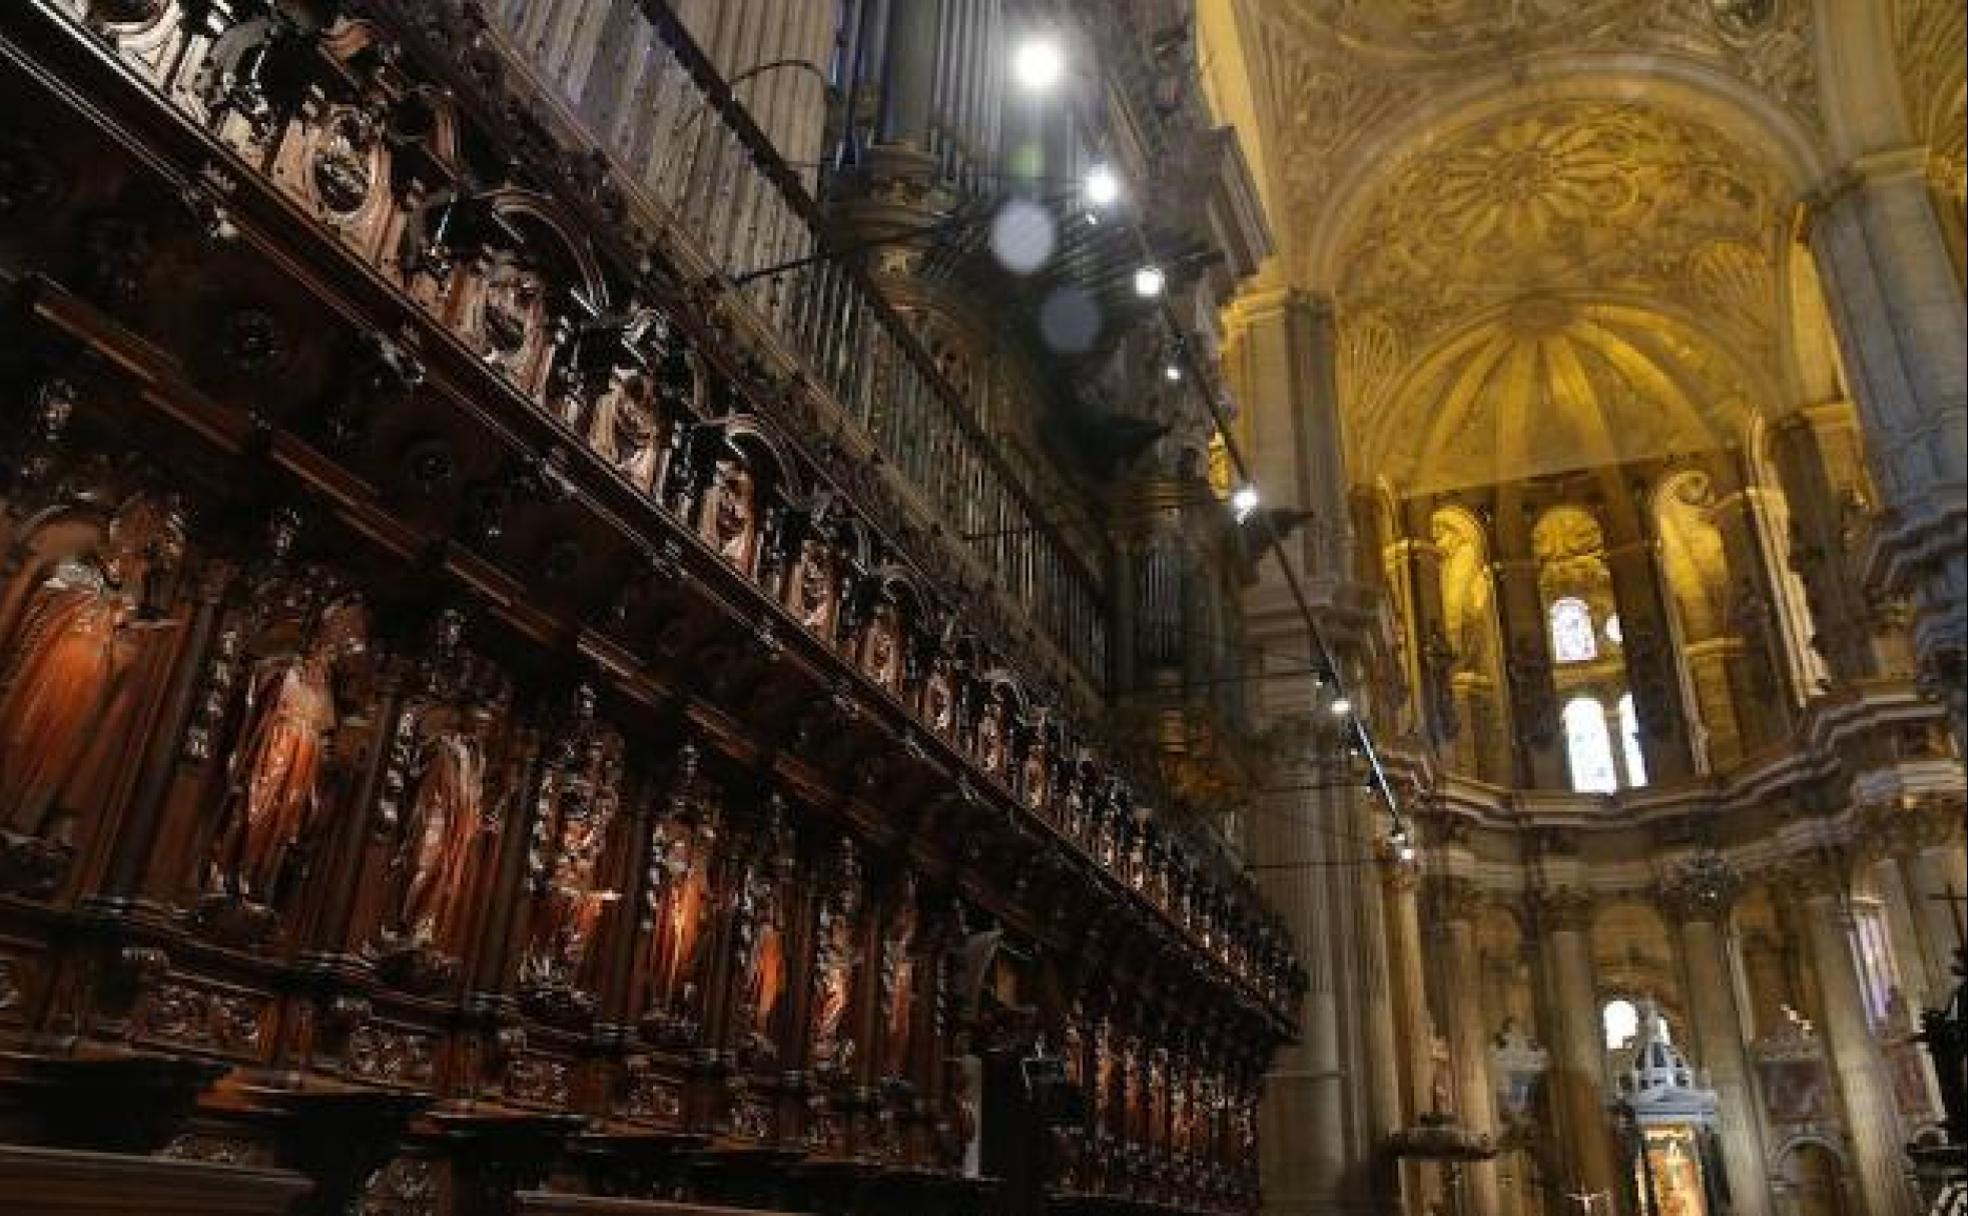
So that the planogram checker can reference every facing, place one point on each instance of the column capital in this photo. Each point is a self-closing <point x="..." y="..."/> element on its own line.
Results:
<point x="1564" y="909"/>
<point x="1905" y="826"/>
<point x="1452" y="898"/>
<point x="1819" y="873"/>
<point x="1700" y="889"/>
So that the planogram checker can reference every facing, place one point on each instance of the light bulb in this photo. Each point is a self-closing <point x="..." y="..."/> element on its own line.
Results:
<point x="1103" y="187"/>
<point x="1244" y="502"/>
<point x="1038" y="63"/>
<point x="1172" y="372"/>
<point x="1341" y="706"/>
<point x="1148" y="282"/>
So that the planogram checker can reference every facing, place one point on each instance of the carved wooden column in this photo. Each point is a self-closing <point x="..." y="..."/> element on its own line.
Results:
<point x="1578" y="1056"/>
<point x="1456" y="903"/>
<point x="1871" y="1112"/>
<point x="1696" y="899"/>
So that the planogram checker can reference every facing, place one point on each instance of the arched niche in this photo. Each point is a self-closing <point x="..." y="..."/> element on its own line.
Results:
<point x="1632" y="959"/>
<point x="1703" y="619"/>
<point x="1466" y="659"/>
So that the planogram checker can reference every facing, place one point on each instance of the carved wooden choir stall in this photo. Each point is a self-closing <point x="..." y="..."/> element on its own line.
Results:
<point x="470" y="740"/>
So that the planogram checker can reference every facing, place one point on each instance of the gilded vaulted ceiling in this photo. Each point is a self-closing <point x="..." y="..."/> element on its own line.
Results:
<point x="1547" y="384"/>
<point x="1336" y="74"/>
<point x="1553" y="228"/>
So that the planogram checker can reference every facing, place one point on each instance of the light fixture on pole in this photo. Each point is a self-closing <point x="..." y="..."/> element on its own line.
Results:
<point x="1102" y="186"/>
<point x="1172" y="372"/>
<point x="1149" y="281"/>
<point x="1341" y="706"/>
<point x="1244" y="501"/>
<point x="1038" y="63"/>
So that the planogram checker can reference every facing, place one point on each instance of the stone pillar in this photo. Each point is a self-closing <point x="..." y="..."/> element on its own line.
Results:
<point x="1456" y="903"/>
<point x="1696" y="899"/>
<point x="1659" y="698"/>
<point x="1421" y="1182"/>
<point x="1578" y="1053"/>
<point x="1899" y="317"/>
<point x="1916" y="847"/>
<point x="1865" y="1089"/>
<point x="1333" y="1097"/>
<point x="1819" y="456"/>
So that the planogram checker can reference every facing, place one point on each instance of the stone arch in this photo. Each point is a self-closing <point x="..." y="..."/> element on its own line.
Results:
<point x="1735" y="109"/>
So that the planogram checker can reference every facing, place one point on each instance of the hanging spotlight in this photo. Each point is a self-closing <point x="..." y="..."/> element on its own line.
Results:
<point x="1149" y="281"/>
<point x="1102" y="186"/>
<point x="1037" y="64"/>
<point x="1404" y="849"/>
<point x="1341" y="706"/>
<point x="1244" y="502"/>
<point x="1172" y="372"/>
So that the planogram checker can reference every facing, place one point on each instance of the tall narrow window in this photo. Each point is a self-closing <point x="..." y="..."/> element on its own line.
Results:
<point x="1636" y="759"/>
<point x="1572" y="639"/>
<point x="1590" y="747"/>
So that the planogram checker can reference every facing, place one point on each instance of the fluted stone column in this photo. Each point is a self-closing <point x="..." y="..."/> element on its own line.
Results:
<point x="1696" y="899"/>
<point x="1899" y="317"/>
<point x="1578" y="1053"/>
<point x="1865" y="1088"/>
<point x="1918" y="859"/>
<point x="1332" y="1098"/>
<point x="1456" y="902"/>
<point x="1420" y="1181"/>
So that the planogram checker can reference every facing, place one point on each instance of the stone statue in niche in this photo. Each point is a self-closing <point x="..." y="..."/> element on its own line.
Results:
<point x="898" y="983"/>
<point x="1156" y="1097"/>
<point x="683" y="855"/>
<point x="881" y="650"/>
<point x="811" y="592"/>
<point x="836" y="959"/>
<point x="625" y="429"/>
<point x="730" y="519"/>
<point x="1104" y="1078"/>
<point x="66" y="689"/>
<point x="276" y="778"/>
<point x="447" y="830"/>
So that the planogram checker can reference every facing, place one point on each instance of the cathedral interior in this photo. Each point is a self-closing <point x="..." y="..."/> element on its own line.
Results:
<point x="983" y="607"/>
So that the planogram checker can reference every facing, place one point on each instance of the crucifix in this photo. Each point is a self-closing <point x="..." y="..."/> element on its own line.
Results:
<point x="1585" y="1200"/>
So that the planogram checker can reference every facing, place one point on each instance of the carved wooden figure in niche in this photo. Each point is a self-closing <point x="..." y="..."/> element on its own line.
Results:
<point x="626" y="429"/>
<point x="881" y="648"/>
<point x="837" y="960"/>
<point x="939" y="698"/>
<point x="580" y="801"/>
<point x="1035" y="779"/>
<point x="510" y="313"/>
<point x="682" y="851"/>
<point x="445" y="829"/>
<point x="991" y="737"/>
<point x="65" y="679"/>
<point x="730" y="520"/>
<point x="759" y="941"/>
<point x="898" y="983"/>
<point x="812" y="591"/>
<point x="276" y="776"/>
